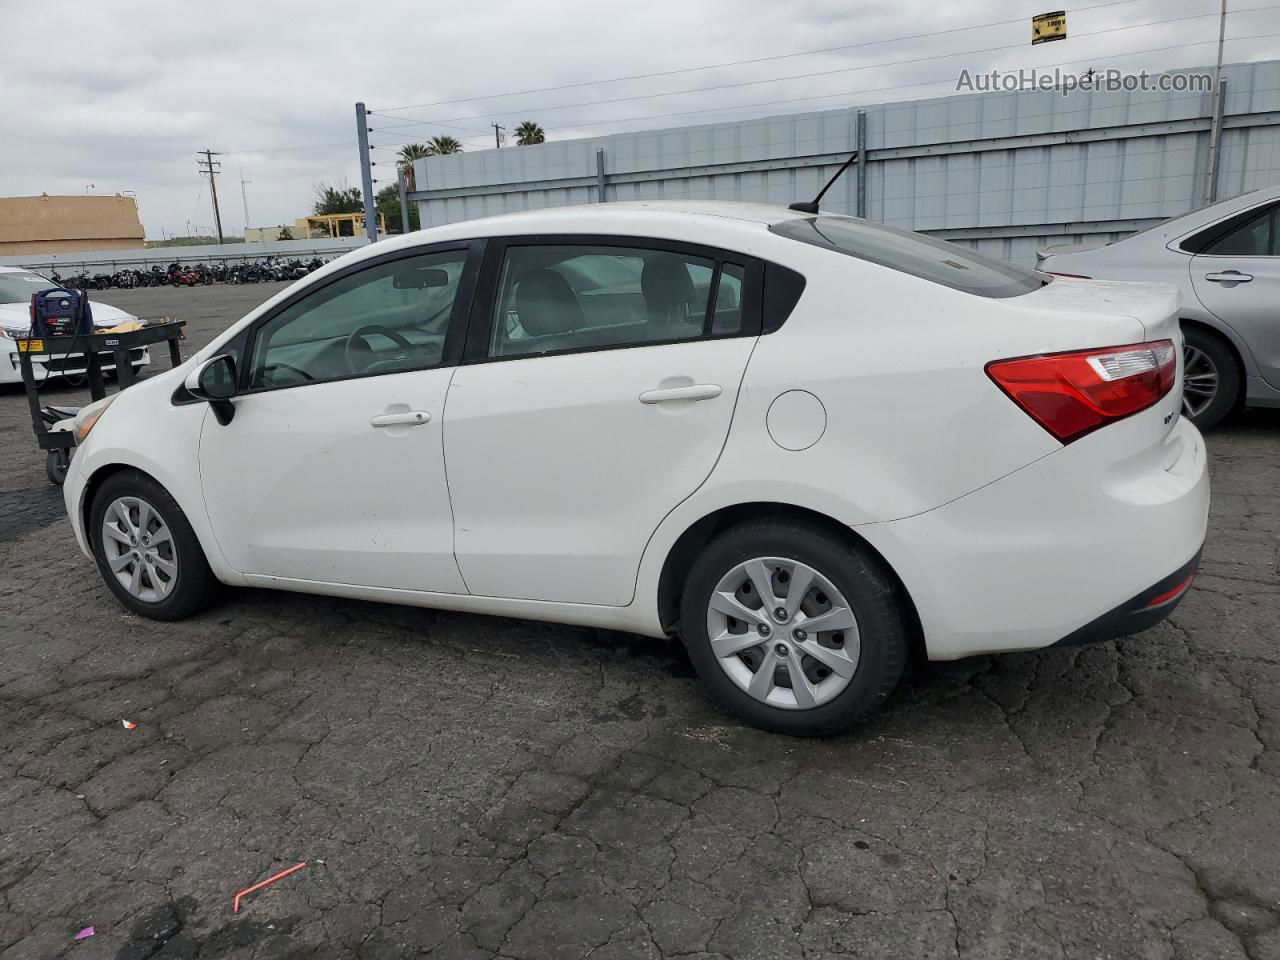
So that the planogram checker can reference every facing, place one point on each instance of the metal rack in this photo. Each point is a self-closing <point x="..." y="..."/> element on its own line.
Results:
<point x="94" y="347"/>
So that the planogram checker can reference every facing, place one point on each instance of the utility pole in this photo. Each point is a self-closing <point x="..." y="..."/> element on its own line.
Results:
<point x="1215" y="123"/>
<point x="497" y="133"/>
<point x="244" y="197"/>
<point x="209" y="167"/>
<point x="366" y="173"/>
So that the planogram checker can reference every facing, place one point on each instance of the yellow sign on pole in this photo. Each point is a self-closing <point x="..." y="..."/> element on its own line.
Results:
<point x="1049" y="26"/>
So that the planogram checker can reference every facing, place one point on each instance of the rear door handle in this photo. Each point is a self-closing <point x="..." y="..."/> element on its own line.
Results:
<point x="410" y="418"/>
<point x="1229" y="276"/>
<point x="697" y="391"/>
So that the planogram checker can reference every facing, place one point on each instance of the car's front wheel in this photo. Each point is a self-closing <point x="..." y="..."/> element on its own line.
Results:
<point x="793" y="628"/>
<point x="146" y="550"/>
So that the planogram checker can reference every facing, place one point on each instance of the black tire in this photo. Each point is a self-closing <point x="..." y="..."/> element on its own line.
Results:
<point x="55" y="465"/>
<point x="868" y="588"/>
<point x="193" y="588"/>
<point x="1218" y="353"/>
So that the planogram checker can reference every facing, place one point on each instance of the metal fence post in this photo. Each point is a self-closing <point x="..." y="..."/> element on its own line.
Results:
<point x="1215" y="142"/>
<point x="861" y="207"/>
<point x="366" y="174"/>
<point x="600" y="174"/>
<point x="404" y="200"/>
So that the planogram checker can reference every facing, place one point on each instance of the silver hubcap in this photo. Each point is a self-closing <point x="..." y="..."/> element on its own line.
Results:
<point x="139" y="549"/>
<point x="1199" y="381"/>
<point x="783" y="633"/>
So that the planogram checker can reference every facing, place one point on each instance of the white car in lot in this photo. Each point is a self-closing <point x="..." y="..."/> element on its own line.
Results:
<point x="16" y="287"/>
<point x="1225" y="261"/>
<point x="806" y="444"/>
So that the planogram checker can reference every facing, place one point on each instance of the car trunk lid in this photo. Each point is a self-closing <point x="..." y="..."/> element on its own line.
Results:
<point x="1073" y="324"/>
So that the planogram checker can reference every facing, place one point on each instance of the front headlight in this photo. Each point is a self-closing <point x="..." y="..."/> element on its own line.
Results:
<point x="89" y="416"/>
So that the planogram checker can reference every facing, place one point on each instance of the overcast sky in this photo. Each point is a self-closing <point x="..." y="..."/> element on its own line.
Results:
<point x="121" y="95"/>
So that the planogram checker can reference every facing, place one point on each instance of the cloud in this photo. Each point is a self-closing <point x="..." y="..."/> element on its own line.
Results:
<point x="133" y="89"/>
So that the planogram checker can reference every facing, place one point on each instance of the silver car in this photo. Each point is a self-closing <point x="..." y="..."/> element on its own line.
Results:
<point x="1225" y="260"/>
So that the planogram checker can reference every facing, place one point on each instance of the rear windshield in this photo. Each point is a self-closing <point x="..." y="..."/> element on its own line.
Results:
<point x="912" y="253"/>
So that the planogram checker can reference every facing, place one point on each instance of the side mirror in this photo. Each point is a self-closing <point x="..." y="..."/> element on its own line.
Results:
<point x="215" y="381"/>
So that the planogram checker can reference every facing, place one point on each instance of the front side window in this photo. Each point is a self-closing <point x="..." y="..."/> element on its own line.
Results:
<point x="387" y="318"/>
<point x="556" y="298"/>
<point x="906" y="251"/>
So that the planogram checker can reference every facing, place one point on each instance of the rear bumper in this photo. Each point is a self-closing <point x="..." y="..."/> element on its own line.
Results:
<point x="1141" y="612"/>
<point x="1059" y="551"/>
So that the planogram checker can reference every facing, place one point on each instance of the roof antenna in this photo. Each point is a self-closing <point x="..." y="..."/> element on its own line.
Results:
<point x="812" y="207"/>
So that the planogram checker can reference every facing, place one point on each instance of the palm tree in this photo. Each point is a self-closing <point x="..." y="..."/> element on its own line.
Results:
<point x="404" y="160"/>
<point x="442" y="146"/>
<point x="529" y="133"/>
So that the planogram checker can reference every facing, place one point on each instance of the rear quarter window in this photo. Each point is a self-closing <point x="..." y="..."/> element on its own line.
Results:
<point x="914" y="254"/>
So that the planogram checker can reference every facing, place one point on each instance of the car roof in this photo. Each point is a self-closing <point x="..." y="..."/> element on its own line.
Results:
<point x="698" y="221"/>
<point x="1177" y="227"/>
<point x="592" y="213"/>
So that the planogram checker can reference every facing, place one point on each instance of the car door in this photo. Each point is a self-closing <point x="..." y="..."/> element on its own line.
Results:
<point x="1237" y="278"/>
<point x="597" y="392"/>
<point x="332" y="468"/>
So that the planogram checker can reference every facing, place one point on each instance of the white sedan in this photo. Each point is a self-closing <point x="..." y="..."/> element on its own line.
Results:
<point x="807" y="444"/>
<point x="16" y="287"/>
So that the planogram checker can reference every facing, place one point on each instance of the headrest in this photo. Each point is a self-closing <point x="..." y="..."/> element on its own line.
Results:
<point x="546" y="304"/>
<point x="666" y="283"/>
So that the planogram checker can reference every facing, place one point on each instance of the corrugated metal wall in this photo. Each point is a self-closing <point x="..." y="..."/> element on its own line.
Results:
<point x="1005" y="172"/>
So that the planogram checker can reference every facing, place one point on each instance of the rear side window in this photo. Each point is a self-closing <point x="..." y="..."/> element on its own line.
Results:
<point x="584" y="297"/>
<point x="912" y="253"/>
<point x="1257" y="238"/>
<point x="1249" y="233"/>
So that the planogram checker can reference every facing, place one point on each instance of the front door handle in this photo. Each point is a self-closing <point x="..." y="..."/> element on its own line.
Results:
<point x="1229" y="276"/>
<point x="697" y="391"/>
<point x="410" y="418"/>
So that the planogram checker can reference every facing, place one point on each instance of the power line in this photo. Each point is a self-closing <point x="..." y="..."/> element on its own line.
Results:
<point x="827" y="73"/>
<point x="477" y="138"/>
<point x="737" y="63"/>
<point x="899" y="86"/>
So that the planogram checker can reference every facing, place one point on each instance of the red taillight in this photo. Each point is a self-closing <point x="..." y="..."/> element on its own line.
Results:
<point x="1071" y="394"/>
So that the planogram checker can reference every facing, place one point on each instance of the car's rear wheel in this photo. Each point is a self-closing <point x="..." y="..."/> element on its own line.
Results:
<point x="792" y="628"/>
<point x="146" y="550"/>
<point x="1210" y="378"/>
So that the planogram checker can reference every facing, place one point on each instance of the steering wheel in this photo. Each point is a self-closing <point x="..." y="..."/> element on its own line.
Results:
<point x="358" y="335"/>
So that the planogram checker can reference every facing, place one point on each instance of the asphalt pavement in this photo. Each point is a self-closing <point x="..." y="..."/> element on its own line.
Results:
<point x="465" y="786"/>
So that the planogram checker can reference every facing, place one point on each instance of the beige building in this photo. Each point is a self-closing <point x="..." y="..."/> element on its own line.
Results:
<point x="260" y="234"/>
<point x="46" y="224"/>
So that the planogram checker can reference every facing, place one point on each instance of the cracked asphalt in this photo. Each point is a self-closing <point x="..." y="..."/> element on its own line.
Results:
<point x="462" y="786"/>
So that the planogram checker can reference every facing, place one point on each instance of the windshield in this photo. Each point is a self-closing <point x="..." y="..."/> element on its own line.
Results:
<point x="913" y="253"/>
<point x="18" y="287"/>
